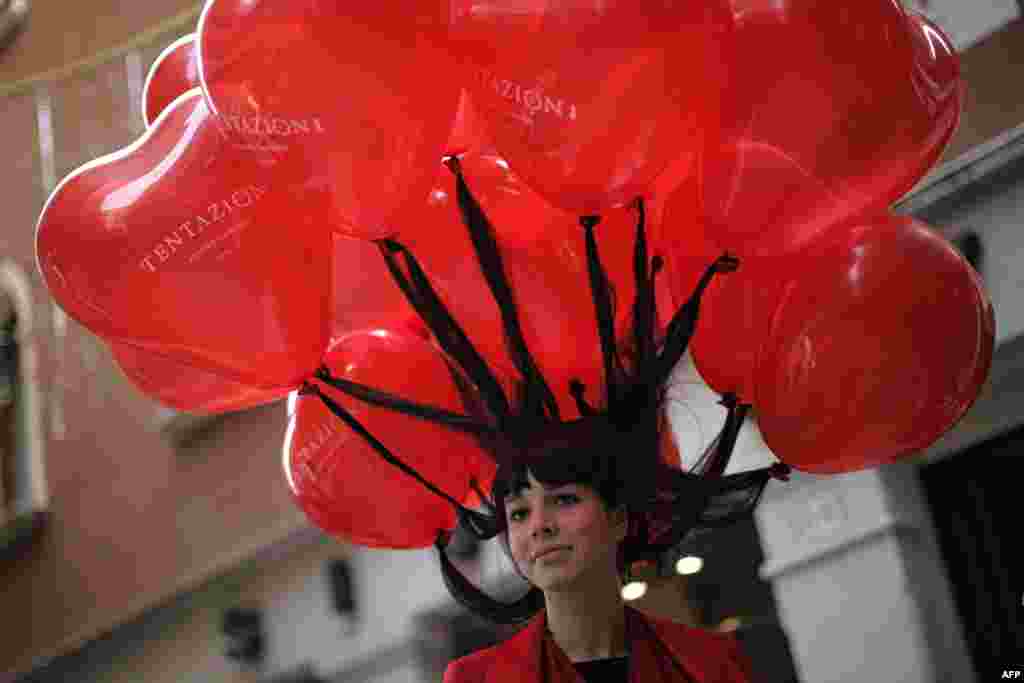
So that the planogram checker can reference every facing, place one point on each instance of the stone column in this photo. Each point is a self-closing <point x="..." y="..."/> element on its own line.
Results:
<point x="860" y="585"/>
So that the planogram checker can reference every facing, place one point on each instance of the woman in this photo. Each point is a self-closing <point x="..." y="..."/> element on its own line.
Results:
<point x="567" y="528"/>
<point x="577" y="502"/>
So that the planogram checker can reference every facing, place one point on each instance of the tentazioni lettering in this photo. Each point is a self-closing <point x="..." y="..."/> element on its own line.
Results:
<point x="533" y="100"/>
<point x="274" y="126"/>
<point x="193" y="228"/>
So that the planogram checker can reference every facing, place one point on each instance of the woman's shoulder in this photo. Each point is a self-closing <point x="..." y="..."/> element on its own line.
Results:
<point x="691" y="633"/>
<point x="717" y="655"/>
<point x="511" y="659"/>
<point x="473" y="667"/>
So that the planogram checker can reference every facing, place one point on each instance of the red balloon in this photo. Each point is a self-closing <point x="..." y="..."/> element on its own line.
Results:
<point x="942" y="90"/>
<point x="174" y="72"/>
<point x="182" y="244"/>
<point x="833" y="110"/>
<point x="364" y="293"/>
<point x="188" y="388"/>
<point x="344" y="486"/>
<point x="469" y="133"/>
<point x="735" y="317"/>
<point x="687" y="251"/>
<point x="591" y="101"/>
<point x="879" y="346"/>
<point x="520" y="217"/>
<point x="552" y="292"/>
<point x="362" y="97"/>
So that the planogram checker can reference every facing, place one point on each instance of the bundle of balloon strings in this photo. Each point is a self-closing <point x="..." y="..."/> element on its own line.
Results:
<point x="626" y="430"/>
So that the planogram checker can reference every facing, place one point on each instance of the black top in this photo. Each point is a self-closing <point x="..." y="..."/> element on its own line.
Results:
<point x="608" y="670"/>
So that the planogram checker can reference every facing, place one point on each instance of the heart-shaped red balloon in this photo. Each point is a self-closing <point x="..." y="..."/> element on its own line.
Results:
<point x="173" y="73"/>
<point x="344" y="486"/>
<point x="366" y="94"/>
<point x="833" y="110"/>
<point x="182" y="244"/>
<point x="187" y="388"/>
<point x="880" y="344"/>
<point x="591" y="101"/>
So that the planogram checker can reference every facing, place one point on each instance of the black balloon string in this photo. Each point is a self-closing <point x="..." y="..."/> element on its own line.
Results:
<point x="482" y="525"/>
<point x="449" y="335"/>
<point x="538" y="399"/>
<point x="377" y="397"/>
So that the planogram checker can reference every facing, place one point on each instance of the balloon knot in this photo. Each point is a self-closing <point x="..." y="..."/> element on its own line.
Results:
<point x="780" y="471"/>
<point x="727" y="263"/>
<point x="589" y="221"/>
<point x="391" y="245"/>
<point x="453" y="164"/>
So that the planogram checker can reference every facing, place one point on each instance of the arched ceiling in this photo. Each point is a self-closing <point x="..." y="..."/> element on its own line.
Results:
<point x="59" y="33"/>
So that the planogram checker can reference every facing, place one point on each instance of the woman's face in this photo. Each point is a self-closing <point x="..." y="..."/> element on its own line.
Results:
<point x="559" y="535"/>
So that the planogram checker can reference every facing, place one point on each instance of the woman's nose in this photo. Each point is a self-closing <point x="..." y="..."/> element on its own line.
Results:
<point x="543" y="525"/>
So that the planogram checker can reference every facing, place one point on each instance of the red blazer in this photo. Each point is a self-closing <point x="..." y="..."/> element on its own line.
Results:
<point x="658" y="650"/>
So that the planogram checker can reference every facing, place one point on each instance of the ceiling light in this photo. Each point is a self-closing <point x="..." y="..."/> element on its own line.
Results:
<point x="691" y="564"/>
<point x="634" y="590"/>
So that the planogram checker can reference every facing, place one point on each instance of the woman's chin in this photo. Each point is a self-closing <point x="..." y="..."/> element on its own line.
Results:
<point x="555" y="578"/>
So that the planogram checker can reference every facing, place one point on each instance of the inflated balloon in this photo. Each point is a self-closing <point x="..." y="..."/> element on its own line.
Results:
<point x="687" y="251"/>
<point x="557" y="316"/>
<point x="469" y="133"/>
<point x="364" y="293"/>
<point x="550" y="285"/>
<point x="346" y="487"/>
<point x="735" y="317"/>
<point x="183" y="245"/>
<point x="362" y="97"/>
<point x="174" y="72"/>
<point x="520" y="217"/>
<point x="188" y="388"/>
<point x="879" y="346"/>
<point x="591" y="101"/>
<point x="832" y="110"/>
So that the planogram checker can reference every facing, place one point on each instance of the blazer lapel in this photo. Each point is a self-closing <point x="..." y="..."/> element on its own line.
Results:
<point x="518" y="658"/>
<point x="532" y="656"/>
<point x="652" y="659"/>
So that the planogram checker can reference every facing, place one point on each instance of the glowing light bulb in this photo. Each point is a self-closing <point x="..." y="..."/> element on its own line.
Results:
<point x="634" y="590"/>
<point x="691" y="564"/>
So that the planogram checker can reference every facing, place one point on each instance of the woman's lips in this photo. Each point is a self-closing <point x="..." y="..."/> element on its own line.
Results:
<point x="550" y="551"/>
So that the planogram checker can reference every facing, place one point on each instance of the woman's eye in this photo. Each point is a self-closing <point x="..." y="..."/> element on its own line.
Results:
<point x="517" y="515"/>
<point x="568" y="499"/>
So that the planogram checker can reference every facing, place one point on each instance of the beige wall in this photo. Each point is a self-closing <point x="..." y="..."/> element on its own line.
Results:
<point x="133" y="519"/>
<point x="994" y="101"/>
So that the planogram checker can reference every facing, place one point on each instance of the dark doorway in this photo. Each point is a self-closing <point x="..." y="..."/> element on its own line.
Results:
<point x="975" y="499"/>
